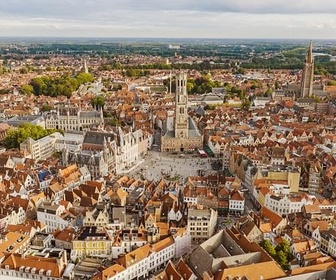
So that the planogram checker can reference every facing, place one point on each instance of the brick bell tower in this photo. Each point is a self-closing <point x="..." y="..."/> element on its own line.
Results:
<point x="181" y="106"/>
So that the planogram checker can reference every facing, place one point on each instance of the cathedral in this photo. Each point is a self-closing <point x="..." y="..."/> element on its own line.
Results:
<point x="307" y="88"/>
<point x="182" y="134"/>
<point x="308" y="74"/>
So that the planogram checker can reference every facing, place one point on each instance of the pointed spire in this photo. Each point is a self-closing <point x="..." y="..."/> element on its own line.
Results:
<point x="309" y="56"/>
<point x="308" y="73"/>
<point x="170" y="82"/>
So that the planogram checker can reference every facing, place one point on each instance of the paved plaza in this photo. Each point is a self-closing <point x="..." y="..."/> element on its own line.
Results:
<point x="156" y="165"/>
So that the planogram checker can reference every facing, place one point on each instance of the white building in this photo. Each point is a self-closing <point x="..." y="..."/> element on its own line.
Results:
<point x="42" y="148"/>
<point x="145" y="260"/>
<point x="32" y="119"/>
<point x="127" y="242"/>
<point x="314" y="181"/>
<point x="182" y="240"/>
<point x="128" y="149"/>
<point x="103" y="152"/>
<point x="236" y="202"/>
<point x="261" y="102"/>
<point x="201" y="223"/>
<point x="286" y="204"/>
<point x="74" y="119"/>
<point x="332" y="243"/>
<point x="71" y="140"/>
<point x="53" y="216"/>
<point x="14" y="217"/>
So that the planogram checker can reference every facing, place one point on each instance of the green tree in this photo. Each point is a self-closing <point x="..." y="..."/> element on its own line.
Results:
<point x="317" y="99"/>
<point x="283" y="254"/>
<point x="61" y="85"/>
<point x="38" y="85"/>
<point x="190" y="86"/>
<point x="246" y="104"/>
<point x="277" y="84"/>
<point x="16" y="136"/>
<point x="117" y="87"/>
<point x="268" y="92"/>
<point x="98" y="102"/>
<point x="331" y="83"/>
<point x="23" y="70"/>
<point x="27" y="90"/>
<point x="46" y="108"/>
<point x="253" y="86"/>
<point x="284" y="246"/>
<point x="282" y="259"/>
<point x="83" y="78"/>
<point x="268" y="247"/>
<point x="114" y="121"/>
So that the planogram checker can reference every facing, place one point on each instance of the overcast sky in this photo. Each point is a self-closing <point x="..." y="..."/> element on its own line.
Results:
<point x="298" y="19"/>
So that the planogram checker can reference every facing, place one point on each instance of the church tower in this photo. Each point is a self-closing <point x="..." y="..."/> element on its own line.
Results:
<point x="86" y="69"/>
<point x="181" y="106"/>
<point x="308" y="73"/>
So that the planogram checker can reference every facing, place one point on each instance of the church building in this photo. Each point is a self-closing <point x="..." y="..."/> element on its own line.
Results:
<point x="183" y="134"/>
<point x="308" y="74"/>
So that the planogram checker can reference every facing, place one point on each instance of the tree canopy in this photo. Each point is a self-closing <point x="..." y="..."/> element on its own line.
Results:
<point x="46" y="108"/>
<point x="15" y="136"/>
<point x="281" y="253"/>
<point x="98" y="102"/>
<point x="61" y="85"/>
<point x="27" y="89"/>
<point x="200" y="85"/>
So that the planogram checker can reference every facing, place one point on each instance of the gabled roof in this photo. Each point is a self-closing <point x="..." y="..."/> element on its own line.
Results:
<point x="274" y="218"/>
<point x="41" y="264"/>
<point x="312" y="208"/>
<point x="135" y="256"/>
<point x="158" y="246"/>
<point x="109" y="272"/>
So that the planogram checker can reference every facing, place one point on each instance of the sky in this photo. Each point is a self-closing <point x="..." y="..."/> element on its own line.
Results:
<point x="293" y="19"/>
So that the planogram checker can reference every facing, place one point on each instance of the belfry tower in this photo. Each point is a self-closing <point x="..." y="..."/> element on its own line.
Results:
<point x="181" y="106"/>
<point x="308" y="73"/>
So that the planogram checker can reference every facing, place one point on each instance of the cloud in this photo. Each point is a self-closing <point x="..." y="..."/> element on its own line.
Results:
<point x="174" y="18"/>
<point x="89" y="8"/>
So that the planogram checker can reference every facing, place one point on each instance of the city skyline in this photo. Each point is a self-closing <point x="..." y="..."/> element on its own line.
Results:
<point x="175" y="19"/>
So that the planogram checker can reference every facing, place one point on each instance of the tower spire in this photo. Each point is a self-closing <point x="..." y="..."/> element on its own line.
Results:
<point x="86" y="69"/>
<point x="309" y="57"/>
<point x="170" y="82"/>
<point x="181" y="106"/>
<point x="308" y="73"/>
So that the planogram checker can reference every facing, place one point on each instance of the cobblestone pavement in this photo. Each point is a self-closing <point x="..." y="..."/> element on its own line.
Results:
<point x="156" y="164"/>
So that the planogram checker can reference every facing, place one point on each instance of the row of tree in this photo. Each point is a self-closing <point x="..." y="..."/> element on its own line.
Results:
<point x="98" y="102"/>
<point x="15" y="136"/>
<point x="55" y="86"/>
<point x="281" y="253"/>
<point x="203" y="84"/>
<point x="200" y="85"/>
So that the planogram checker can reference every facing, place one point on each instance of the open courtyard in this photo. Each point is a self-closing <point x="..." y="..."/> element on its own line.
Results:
<point x="157" y="165"/>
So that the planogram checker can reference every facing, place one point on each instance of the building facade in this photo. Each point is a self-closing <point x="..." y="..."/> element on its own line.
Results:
<point x="184" y="135"/>
<point x="113" y="151"/>
<point x="74" y="119"/>
<point x="42" y="148"/>
<point x="201" y="224"/>
<point x="53" y="217"/>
